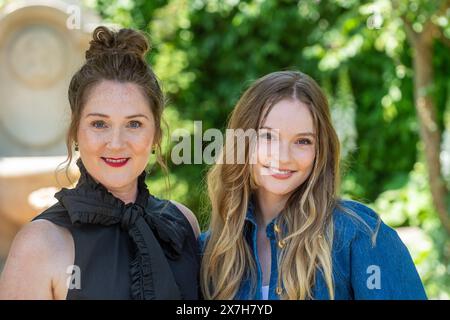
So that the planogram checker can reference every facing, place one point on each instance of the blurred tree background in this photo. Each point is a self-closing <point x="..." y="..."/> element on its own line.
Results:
<point x="382" y="63"/>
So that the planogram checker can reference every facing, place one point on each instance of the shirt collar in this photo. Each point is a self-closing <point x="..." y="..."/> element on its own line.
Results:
<point x="251" y="217"/>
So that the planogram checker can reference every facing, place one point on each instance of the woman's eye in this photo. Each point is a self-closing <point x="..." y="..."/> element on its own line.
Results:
<point x="98" y="124"/>
<point x="303" y="141"/>
<point x="266" y="135"/>
<point x="135" y="124"/>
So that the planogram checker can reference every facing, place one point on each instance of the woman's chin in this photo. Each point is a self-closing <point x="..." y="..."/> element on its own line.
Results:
<point x="278" y="190"/>
<point x="116" y="183"/>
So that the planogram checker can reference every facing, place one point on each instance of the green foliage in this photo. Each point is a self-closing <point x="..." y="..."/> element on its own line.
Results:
<point x="411" y="205"/>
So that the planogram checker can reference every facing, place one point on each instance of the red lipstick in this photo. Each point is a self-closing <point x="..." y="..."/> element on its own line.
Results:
<point x="116" y="162"/>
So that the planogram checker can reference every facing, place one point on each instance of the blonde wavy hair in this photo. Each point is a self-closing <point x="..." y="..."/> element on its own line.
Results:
<point x="306" y="221"/>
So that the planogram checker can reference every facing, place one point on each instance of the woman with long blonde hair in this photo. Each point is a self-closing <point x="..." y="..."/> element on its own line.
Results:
<point x="278" y="228"/>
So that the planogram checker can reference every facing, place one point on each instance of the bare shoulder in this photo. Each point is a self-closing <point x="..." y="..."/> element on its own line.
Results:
<point x="37" y="252"/>
<point x="40" y="237"/>
<point x="190" y="216"/>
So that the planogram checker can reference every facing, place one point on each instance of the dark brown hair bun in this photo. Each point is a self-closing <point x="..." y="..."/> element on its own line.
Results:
<point x="124" y="41"/>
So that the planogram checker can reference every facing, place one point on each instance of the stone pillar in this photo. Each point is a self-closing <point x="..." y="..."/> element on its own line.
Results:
<point x="42" y="44"/>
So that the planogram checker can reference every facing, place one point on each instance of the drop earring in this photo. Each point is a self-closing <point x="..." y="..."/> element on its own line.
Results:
<point x="76" y="146"/>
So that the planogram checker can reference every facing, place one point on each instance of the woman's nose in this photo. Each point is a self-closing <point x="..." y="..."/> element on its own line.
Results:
<point x="116" y="139"/>
<point x="279" y="153"/>
<point x="283" y="152"/>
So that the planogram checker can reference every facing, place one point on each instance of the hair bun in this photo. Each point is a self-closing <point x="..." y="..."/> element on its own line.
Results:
<point x="124" y="41"/>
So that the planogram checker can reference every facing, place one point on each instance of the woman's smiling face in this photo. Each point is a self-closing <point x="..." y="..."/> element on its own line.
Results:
<point x="115" y="134"/>
<point x="285" y="149"/>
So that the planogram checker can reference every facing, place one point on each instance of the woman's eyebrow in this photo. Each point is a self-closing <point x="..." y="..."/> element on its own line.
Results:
<point x="298" y="134"/>
<point x="139" y="115"/>
<point x="95" y="114"/>
<point x="306" y="134"/>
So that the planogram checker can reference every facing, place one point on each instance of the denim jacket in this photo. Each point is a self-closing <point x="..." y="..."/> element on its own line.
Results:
<point x="360" y="270"/>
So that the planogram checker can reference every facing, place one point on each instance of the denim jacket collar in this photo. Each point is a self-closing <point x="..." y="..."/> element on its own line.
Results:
<point x="251" y="219"/>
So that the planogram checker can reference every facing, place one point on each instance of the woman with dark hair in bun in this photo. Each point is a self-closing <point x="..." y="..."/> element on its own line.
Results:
<point x="108" y="238"/>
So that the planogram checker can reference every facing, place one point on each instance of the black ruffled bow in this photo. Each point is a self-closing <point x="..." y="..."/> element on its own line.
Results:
<point x="151" y="276"/>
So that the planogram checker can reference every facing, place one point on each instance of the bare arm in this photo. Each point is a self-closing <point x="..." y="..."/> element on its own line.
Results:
<point x="190" y="216"/>
<point x="34" y="266"/>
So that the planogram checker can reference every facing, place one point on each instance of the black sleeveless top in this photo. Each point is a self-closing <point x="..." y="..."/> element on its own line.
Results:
<point x="141" y="250"/>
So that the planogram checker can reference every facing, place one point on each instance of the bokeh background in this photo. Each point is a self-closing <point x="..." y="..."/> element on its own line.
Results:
<point x="383" y="64"/>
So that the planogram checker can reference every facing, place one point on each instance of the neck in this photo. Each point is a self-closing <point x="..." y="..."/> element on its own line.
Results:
<point x="127" y="194"/>
<point x="268" y="207"/>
